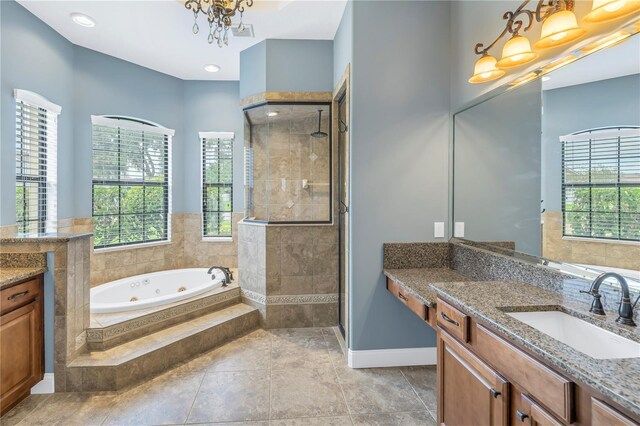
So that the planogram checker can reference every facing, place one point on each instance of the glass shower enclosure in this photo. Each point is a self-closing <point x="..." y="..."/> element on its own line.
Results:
<point x="288" y="163"/>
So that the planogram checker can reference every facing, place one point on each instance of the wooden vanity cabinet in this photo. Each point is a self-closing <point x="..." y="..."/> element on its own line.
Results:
<point x="483" y="379"/>
<point x="603" y="414"/>
<point x="21" y="341"/>
<point x="470" y="392"/>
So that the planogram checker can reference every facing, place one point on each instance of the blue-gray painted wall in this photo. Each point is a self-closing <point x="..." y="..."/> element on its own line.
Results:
<point x="104" y="85"/>
<point x="287" y="66"/>
<point x="253" y="66"/>
<point x="399" y="153"/>
<point x="299" y="66"/>
<point x="35" y="58"/>
<point x="570" y="109"/>
<point x="343" y="44"/>
<point x="211" y="106"/>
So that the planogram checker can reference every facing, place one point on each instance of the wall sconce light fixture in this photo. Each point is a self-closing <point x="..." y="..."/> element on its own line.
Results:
<point x="607" y="10"/>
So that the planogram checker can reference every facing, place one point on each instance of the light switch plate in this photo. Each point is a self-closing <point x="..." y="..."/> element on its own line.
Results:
<point x="458" y="230"/>
<point x="438" y="230"/>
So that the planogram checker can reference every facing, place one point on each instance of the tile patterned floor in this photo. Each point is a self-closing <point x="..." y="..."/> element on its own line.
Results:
<point x="285" y="377"/>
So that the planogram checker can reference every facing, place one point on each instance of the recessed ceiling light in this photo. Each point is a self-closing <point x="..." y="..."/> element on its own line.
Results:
<point x="83" y="20"/>
<point x="272" y="113"/>
<point x="545" y="78"/>
<point x="211" y="68"/>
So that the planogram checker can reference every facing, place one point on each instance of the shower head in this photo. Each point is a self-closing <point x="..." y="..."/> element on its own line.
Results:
<point x="319" y="134"/>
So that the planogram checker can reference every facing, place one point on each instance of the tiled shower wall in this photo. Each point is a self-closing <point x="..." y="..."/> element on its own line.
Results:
<point x="284" y="157"/>
<point x="290" y="273"/>
<point x="187" y="249"/>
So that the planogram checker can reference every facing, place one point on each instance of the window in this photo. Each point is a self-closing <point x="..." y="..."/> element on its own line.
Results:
<point x="217" y="183"/>
<point x="601" y="184"/>
<point x="36" y="163"/>
<point x="131" y="182"/>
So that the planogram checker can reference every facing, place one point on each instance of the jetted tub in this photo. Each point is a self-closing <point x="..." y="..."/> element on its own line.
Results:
<point x="154" y="289"/>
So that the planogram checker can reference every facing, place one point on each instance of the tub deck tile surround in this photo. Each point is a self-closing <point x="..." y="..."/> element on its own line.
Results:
<point x="71" y="302"/>
<point x="109" y="330"/>
<point x="154" y="353"/>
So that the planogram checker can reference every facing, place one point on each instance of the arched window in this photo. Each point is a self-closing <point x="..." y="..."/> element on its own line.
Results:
<point x="131" y="181"/>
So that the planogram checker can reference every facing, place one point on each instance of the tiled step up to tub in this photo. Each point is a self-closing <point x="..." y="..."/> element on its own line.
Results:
<point x="110" y="330"/>
<point x="149" y="355"/>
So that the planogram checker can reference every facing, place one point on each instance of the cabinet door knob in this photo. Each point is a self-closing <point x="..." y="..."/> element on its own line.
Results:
<point x="495" y="393"/>
<point x="521" y="416"/>
<point x="403" y="297"/>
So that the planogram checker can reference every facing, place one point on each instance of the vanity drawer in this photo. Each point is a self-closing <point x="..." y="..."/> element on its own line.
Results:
<point x="603" y="414"/>
<point x="545" y="385"/>
<point x="410" y="301"/>
<point x="453" y="320"/>
<point x="18" y="295"/>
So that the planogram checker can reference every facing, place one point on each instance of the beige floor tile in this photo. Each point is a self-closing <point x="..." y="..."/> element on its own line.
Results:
<point x="251" y="352"/>
<point x="299" y="350"/>
<point x="415" y="418"/>
<point x="314" y="421"/>
<point x="377" y="390"/>
<point x="423" y="380"/>
<point x="232" y="397"/>
<point x="23" y="409"/>
<point x="306" y="392"/>
<point x="71" y="409"/>
<point x="166" y="399"/>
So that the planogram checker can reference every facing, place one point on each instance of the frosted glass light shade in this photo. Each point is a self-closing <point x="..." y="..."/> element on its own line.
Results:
<point x="516" y="51"/>
<point x="608" y="10"/>
<point x="558" y="29"/>
<point x="486" y="70"/>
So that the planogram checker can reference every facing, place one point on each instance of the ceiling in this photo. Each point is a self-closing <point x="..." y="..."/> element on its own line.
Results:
<point x="616" y="61"/>
<point x="157" y="33"/>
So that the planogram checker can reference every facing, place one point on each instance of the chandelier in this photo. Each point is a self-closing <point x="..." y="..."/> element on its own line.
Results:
<point x="219" y="14"/>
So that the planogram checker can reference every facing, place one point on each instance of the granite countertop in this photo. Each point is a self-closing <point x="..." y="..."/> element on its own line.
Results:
<point x="44" y="238"/>
<point x="9" y="276"/>
<point x="417" y="281"/>
<point x="489" y="301"/>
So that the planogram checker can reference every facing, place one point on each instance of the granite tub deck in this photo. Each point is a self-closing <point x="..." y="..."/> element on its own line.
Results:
<point x="489" y="302"/>
<point x="418" y="281"/>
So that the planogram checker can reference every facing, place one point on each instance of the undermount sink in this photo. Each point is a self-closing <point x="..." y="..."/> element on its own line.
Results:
<point x="579" y="334"/>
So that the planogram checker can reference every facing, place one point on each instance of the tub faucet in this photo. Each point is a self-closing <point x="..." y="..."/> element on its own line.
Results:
<point x="228" y="275"/>
<point x="625" y="312"/>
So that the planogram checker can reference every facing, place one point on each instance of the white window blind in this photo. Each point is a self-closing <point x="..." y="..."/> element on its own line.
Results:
<point x="217" y="183"/>
<point x="131" y="182"/>
<point x="36" y="163"/>
<point x="601" y="184"/>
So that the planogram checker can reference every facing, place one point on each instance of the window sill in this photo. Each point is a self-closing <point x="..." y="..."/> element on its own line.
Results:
<point x="217" y="239"/>
<point x="132" y="246"/>
<point x="601" y="240"/>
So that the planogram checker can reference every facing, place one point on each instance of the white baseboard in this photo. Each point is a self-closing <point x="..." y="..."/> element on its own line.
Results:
<point x="392" y="357"/>
<point x="46" y="385"/>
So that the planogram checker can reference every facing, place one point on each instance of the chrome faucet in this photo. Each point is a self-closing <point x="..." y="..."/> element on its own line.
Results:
<point x="228" y="275"/>
<point x="625" y="312"/>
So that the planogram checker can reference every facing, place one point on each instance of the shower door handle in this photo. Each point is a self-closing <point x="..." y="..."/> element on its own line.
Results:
<point x="343" y="208"/>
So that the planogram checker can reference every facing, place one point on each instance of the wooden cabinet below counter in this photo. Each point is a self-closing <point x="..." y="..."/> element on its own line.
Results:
<point x="21" y="340"/>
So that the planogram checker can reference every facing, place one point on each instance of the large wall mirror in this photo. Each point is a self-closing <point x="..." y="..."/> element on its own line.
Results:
<point x="552" y="168"/>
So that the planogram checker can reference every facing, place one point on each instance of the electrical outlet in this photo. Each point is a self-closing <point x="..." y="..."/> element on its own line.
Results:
<point x="438" y="230"/>
<point x="458" y="230"/>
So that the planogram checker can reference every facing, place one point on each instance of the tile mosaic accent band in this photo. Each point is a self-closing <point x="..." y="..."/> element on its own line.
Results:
<point x="292" y="299"/>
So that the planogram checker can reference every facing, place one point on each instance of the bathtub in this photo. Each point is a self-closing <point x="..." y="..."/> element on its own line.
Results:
<point x="154" y="289"/>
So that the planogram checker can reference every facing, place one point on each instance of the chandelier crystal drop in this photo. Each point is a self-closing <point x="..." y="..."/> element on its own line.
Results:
<point x="218" y="14"/>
